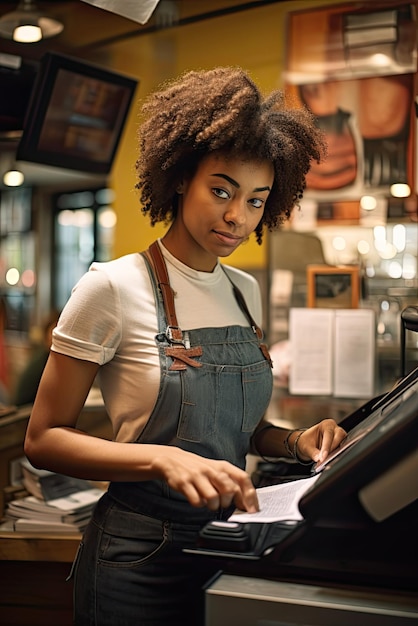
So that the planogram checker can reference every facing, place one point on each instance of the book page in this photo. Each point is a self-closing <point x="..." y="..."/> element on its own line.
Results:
<point x="278" y="503"/>
<point x="311" y="345"/>
<point x="354" y="360"/>
<point x="33" y="525"/>
<point x="76" y="501"/>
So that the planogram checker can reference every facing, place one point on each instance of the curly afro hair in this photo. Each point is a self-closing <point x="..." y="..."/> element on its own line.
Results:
<point x="223" y="110"/>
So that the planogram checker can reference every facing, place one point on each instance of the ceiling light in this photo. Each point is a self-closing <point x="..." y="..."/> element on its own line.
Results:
<point x="13" y="178"/>
<point x="27" y="24"/>
<point x="28" y="33"/>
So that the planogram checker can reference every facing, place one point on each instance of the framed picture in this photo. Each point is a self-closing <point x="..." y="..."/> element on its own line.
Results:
<point x="333" y="286"/>
<point x="367" y="112"/>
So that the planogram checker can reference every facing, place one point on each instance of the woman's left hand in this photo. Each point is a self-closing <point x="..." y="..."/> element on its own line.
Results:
<point x="317" y="442"/>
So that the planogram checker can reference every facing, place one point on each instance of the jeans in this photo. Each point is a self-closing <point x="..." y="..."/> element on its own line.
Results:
<point x="119" y="581"/>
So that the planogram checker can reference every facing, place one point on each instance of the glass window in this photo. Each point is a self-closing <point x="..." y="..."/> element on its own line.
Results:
<point x="17" y="259"/>
<point x="83" y="232"/>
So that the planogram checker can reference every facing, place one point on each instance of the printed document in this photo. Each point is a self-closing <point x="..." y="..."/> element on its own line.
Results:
<point x="278" y="503"/>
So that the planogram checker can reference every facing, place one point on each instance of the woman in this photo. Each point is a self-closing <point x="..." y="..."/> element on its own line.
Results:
<point x="173" y="336"/>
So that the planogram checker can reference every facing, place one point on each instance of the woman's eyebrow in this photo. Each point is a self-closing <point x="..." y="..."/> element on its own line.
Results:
<point x="235" y="184"/>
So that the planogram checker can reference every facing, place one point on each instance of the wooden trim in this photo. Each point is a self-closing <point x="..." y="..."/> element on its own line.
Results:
<point x="338" y="300"/>
<point x="38" y="547"/>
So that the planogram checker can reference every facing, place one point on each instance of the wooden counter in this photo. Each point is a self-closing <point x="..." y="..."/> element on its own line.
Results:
<point x="49" y="547"/>
<point x="34" y="566"/>
<point x="33" y="570"/>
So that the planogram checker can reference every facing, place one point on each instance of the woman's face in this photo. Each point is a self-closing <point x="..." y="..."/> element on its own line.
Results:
<point x="219" y="207"/>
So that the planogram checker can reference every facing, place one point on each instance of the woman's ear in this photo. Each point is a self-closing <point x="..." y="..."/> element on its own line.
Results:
<point x="180" y="188"/>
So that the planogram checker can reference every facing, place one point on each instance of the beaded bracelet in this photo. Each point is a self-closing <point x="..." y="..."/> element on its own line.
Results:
<point x="293" y="452"/>
<point x="286" y="442"/>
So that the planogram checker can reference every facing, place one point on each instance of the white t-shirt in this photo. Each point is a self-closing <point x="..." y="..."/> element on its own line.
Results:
<point x="111" y="319"/>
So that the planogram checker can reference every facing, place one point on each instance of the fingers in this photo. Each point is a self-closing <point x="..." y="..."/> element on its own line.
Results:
<point x="204" y="482"/>
<point x="317" y="442"/>
<point x="244" y="495"/>
<point x="331" y="438"/>
<point x="211" y="490"/>
<point x="227" y="485"/>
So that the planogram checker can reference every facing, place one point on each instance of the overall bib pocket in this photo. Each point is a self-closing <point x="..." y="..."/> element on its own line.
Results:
<point x="235" y="400"/>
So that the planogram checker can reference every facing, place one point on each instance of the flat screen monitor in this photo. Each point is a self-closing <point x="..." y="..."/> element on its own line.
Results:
<point x="76" y="115"/>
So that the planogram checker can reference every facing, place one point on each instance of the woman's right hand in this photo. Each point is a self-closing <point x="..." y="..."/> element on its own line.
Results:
<point x="205" y="482"/>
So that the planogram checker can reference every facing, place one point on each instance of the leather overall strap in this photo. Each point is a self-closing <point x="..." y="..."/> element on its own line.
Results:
<point x="156" y="259"/>
<point x="181" y="354"/>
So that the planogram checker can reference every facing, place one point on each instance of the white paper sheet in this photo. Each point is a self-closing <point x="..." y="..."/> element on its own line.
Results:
<point x="311" y="333"/>
<point x="354" y="353"/>
<point x="278" y="502"/>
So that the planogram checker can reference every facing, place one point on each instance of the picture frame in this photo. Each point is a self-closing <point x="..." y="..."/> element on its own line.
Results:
<point x="333" y="286"/>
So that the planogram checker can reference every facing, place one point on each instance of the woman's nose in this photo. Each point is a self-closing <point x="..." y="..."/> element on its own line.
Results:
<point x="236" y="213"/>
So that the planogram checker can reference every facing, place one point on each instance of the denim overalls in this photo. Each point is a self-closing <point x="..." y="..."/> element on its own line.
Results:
<point x="215" y="387"/>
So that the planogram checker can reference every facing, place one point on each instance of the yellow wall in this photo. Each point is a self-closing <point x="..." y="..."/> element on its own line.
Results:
<point x="253" y="39"/>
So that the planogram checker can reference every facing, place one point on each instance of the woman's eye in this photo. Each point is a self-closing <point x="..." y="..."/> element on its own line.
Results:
<point x="257" y="203"/>
<point x="220" y="193"/>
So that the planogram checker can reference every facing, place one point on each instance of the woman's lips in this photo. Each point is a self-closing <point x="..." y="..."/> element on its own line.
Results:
<point x="227" y="238"/>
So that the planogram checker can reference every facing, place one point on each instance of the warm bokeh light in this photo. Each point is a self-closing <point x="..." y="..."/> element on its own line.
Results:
<point x="27" y="33"/>
<point x="13" y="178"/>
<point x="339" y="243"/>
<point x="388" y="251"/>
<point x="380" y="60"/>
<point x="83" y="218"/>
<point x="400" y="190"/>
<point x="363" y="246"/>
<point x="409" y="267"/>
<point x="66" y="218"/>
<point x="107" y="218"/>
<point x="399" y="237"/>
<point x="28" y="278"/>
<point x="368" y="203"/>
<point x="395" y="269"/>
<point x="12" y="276"/>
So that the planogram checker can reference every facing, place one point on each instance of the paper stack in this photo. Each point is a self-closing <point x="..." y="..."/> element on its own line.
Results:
<point x="56" y="503"/>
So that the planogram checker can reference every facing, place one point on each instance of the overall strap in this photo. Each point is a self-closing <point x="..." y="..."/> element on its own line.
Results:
<point x="157" y="262"/>
<point x="257" y="330"/>
<point x="179" y="350"/>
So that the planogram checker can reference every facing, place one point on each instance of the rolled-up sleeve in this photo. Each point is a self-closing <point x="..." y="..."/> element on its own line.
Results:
<point x="90" y="325"/>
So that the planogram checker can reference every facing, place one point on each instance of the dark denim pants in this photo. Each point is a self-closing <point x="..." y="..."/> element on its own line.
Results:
<point x="119" y="580"/>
